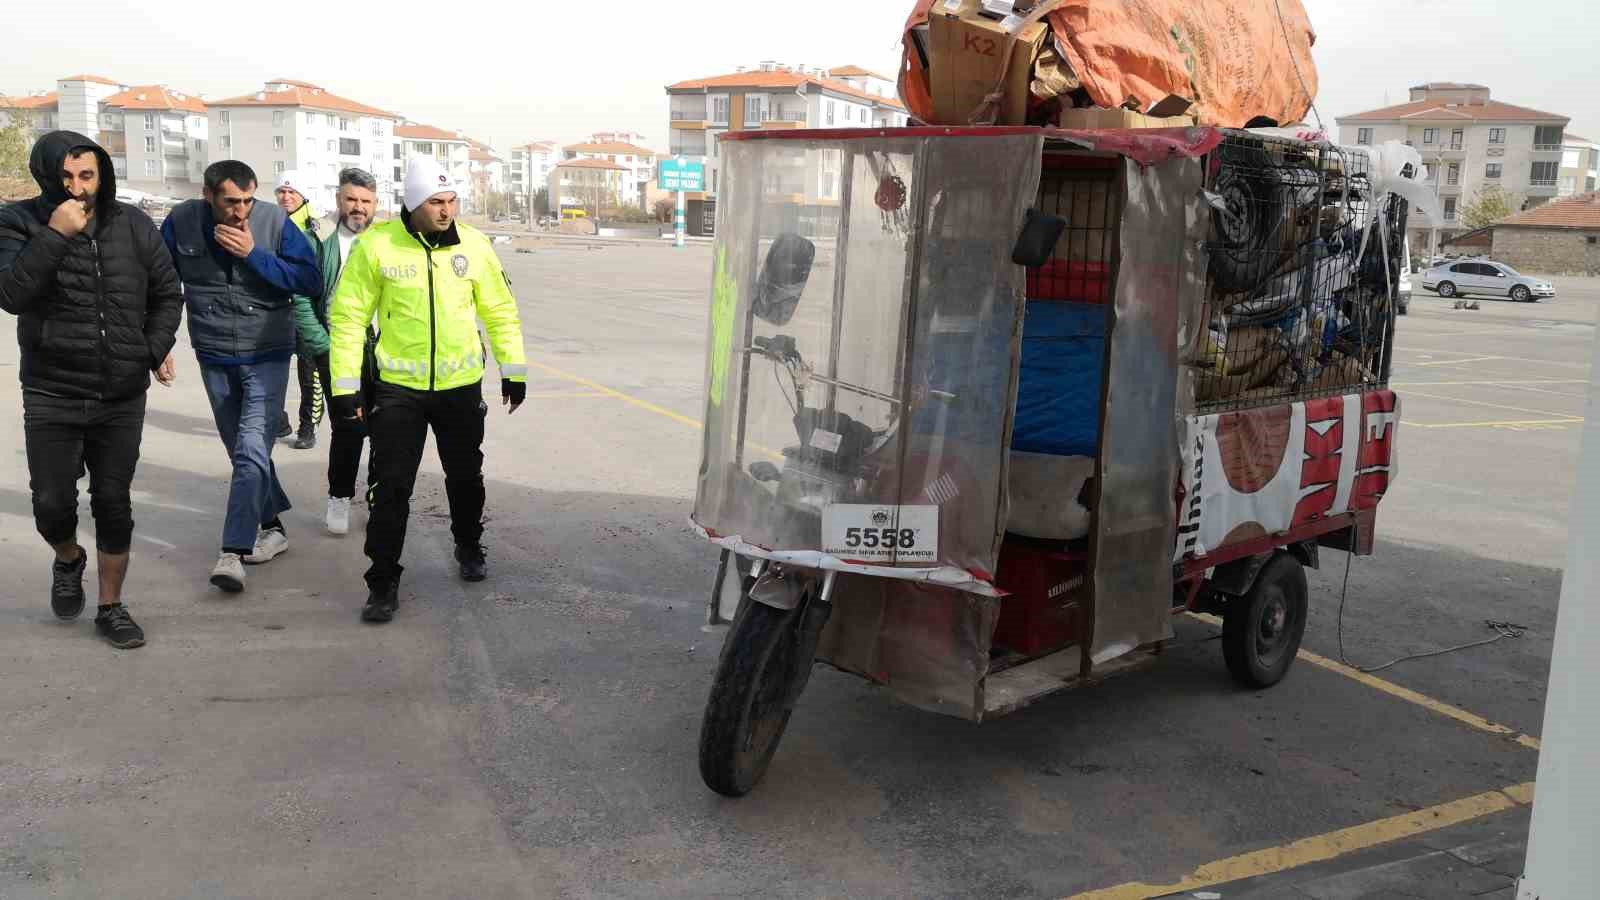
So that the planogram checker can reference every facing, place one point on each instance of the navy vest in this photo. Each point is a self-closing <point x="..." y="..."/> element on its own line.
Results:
<point x="233" y="312"/>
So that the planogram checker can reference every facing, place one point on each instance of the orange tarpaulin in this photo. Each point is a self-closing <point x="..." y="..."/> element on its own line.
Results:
<point x="1233" y="59"/>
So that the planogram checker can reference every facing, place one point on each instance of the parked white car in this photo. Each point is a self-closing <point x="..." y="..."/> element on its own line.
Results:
<point x="1482" y="276"/>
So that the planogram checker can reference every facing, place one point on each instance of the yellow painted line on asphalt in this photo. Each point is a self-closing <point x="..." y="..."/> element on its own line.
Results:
<point x="1513" y="424"/>
<point x="1330" y="845"/>
<point x="567" y="395"/>
<point x="1522" y="409"/>
<point x="612" y="392"/>
<point x="1471" y="720"/>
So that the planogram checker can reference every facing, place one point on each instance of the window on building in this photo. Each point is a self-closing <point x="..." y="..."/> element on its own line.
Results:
<point x="344" y="124"/>
<point x="1497" y="135"/>
<point x="396" y="151"/>
<point x="1453" y="174"/>
<point x="327" y="119"/>
<point x="863" y="115"/>
<point x="397" y="175"/>
<point x="715" y="173"/>
<point x="277" y="142"/>
<point x="277" y="118"/>
<point x="1547" y="137"/>
<point x="199" y="145"/>
<point x="1569" y="185"/>
<point x="828" y="116"/>
<point x="1544" y="173"/>
<point x="1430" y="135"/>
<point x="1449" y="209"/>
<point x="150" y="167"/>
<point x="311" y="118"/>
<point x="719" y="110"/>
<point x="149" y="122"/>
<point x="222" y="117"/>
<point x="1364" y="136"/>
<point x="227" y="142"/>
<point x="333" y="145"/>
<point x="349" y="147"/>
<point x="149" y="144"/>
<point x="1588" y="184"/>
<point x="1458" y="137"/>
<point x="1491" y="170"/>
<point x="423" y="147"/>
<point x="279" y="167"/>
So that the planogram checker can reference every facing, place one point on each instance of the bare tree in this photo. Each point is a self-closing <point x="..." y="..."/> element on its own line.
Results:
<point x="1489" y="205"/>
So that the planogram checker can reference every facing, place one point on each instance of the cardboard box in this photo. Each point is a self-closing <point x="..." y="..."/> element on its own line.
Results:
<point x="1118" y="118"/>
<point x="966" y="59"/>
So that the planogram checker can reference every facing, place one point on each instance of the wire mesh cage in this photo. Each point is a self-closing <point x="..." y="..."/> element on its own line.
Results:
<point x="1302" y="267"/>
<point x="1082" y="189"/>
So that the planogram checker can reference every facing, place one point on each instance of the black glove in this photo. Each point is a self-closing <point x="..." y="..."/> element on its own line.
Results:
<point x="512" y="393"/>
<point x="346" y="407"/>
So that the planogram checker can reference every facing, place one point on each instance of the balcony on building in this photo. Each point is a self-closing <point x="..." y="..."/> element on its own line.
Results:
<point x="1542" y="187"/>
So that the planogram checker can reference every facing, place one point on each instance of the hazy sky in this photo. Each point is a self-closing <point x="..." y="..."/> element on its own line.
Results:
<point x="506" y="73"/>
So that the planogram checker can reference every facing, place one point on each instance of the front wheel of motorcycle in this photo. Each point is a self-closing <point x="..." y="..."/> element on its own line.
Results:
<point x="765" y="663"/>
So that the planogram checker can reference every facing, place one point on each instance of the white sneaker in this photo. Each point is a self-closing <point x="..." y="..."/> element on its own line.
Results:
<point x="228" y="573"/>
<point x="270" y="544"/>
<point x="338" y="520"/>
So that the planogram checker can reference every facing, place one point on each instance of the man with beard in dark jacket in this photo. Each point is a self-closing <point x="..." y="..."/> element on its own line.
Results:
<point x="97" y="302"/>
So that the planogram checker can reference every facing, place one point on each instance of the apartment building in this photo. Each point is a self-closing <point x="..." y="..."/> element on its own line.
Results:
<point x="529" y="171"/>
<point x="591" y="185"/>
<point x="773" y="96"/>
<point x="1468" y="140"/>
<point x="639" y="161"/>
<point x="157" y="137"/>
<point x="296" y="126"/>
<point x="488" y="173"/>
<point x="1580" y="166"/>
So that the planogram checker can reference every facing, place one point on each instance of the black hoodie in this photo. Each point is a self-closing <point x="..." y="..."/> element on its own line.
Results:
<point x="98" y="311"/>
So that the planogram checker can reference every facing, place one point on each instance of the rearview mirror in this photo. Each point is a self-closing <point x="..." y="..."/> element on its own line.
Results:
<point x="1040" y="232"/>
<point x="783" y="278"/>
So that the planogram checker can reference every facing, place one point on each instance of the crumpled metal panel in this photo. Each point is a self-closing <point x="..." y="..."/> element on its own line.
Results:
<point x="1135" y="518"/>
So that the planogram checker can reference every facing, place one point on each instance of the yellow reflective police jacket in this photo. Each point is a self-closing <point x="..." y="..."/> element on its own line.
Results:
<point x="427" y="296"/>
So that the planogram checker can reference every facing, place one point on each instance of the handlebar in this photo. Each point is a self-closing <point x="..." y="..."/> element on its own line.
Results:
<point x="783" y="349"/>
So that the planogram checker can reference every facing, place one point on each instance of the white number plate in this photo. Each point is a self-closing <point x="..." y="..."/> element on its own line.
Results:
<point x="861" y="532"/>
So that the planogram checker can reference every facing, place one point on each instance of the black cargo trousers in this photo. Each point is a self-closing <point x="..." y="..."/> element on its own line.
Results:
<point x="398" y="420"/>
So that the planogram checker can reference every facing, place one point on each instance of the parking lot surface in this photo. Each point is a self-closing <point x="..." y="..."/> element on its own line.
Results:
<point x="536" y="735"/>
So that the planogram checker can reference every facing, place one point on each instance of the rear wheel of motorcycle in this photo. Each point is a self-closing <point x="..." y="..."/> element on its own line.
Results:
<point x="764" y="665"/>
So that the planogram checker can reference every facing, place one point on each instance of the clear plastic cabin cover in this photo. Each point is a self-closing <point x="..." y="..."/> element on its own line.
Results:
<point x="864" y="332"/>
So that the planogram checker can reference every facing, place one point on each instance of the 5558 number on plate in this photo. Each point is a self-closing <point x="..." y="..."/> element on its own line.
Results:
<point x="881" y="534"/>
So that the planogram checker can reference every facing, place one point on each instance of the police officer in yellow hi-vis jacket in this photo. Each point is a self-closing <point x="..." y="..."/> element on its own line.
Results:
<point x="428" y="280"/>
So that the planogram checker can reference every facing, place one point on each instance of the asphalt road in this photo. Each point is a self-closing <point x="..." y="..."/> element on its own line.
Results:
<point x="535" y="735"/>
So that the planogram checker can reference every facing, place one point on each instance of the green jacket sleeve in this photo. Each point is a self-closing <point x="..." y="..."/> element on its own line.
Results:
<point x="311" y="332"/>
<point x="349" y="314"/>
<point x="498" y="310"/>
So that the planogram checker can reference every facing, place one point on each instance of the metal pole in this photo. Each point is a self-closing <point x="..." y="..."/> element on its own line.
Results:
<point x="1561" y="861"/>
<point x="679" y="216"/>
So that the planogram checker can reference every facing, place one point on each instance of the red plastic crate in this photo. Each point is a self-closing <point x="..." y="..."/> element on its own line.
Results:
<point x="1048" y="588"/>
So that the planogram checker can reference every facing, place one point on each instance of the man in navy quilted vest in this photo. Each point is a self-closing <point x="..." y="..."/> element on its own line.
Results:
<point x="242" y="265"/>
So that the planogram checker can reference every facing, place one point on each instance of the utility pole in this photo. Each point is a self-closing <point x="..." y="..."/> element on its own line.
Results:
<point x="1562" y="863"/>
<point x="679" y="216"/>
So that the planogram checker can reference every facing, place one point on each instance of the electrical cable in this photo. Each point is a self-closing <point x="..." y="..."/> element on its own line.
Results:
<point x="1503" y="629"/>
<point x="1296" y="63"/>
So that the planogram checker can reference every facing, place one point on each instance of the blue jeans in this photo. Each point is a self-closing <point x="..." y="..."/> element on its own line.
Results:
<point x="246" y="401"/>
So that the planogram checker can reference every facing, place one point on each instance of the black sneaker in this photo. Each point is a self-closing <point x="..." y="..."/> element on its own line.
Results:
<point x="474" y="567"/>
<point x="306" y="439"/>
<point x="284" y="427"/>
<point x="66" y="586"/>
<point x="118" y="627"/>
<point x="382" y="603"/>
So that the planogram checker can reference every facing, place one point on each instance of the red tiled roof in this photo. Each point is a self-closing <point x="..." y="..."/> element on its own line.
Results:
<point x="1582" y="211"/>
<point x="1449" y="86"/>
<point x="92" y="78"/>
<point x="609" y="147"/>
<point x="855" y="72"/>
<point x="780" y="79"/>
<point x="590" y="164"/>
<point x="43" y="101"/>
<point x="293" y="83"/>
<point x="1438" y="110"/>
<point x="417" y="132"/>
<point x="311" y="98"/>
<point x="155" y="96"/>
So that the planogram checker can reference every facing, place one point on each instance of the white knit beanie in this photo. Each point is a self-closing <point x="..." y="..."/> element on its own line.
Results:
<point x="424" y="178"/>
<point x="291" y="181"/>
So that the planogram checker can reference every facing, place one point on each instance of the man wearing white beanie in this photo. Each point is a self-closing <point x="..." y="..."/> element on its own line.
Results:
<point x="428" y="279"/>
<point x="291" y="196"/>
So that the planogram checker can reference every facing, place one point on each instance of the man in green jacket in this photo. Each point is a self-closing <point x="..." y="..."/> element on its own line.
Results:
<point x="356" y="203"/>
<point x="294" y="202"/>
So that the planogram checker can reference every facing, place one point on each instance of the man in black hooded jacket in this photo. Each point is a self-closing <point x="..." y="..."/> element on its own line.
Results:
<point x="97" y="302"/>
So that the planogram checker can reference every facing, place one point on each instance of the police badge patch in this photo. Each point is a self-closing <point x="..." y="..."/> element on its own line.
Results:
<point x="459" y="264"/>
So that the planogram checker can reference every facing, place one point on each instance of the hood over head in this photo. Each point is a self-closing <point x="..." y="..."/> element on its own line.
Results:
<point x="50" y="151"/>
